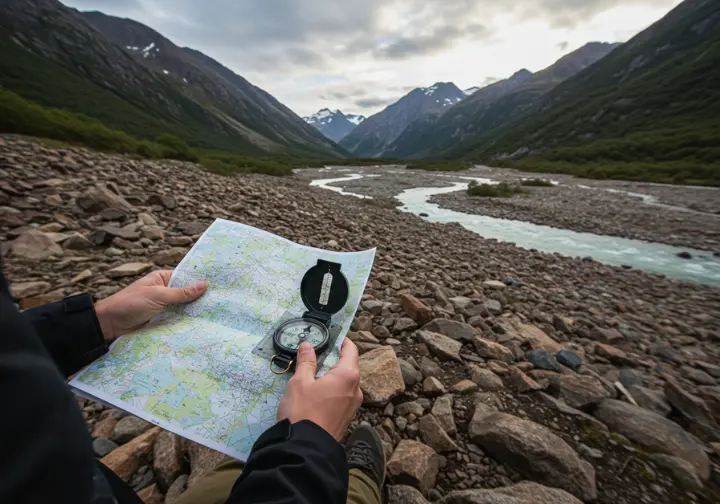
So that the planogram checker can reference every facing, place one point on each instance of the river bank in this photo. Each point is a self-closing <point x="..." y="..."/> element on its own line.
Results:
<point x="682" y="216"/>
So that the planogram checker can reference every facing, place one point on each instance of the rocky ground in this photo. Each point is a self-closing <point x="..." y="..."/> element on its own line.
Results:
<point x="493" y="374"/>
<point x="683" y="216"/>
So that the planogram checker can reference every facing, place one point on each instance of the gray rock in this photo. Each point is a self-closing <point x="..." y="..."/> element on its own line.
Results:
<point x="168" y="459"/>
<point x="696" y="412"/>
<point x="461" y="302"/>
<point x="578" y="391"/>
<point x="433" y="387"/>
<point x="543" y="359"/>
<point x="102" y="446"/>
<point x="630" y="378"/>
<point x="35" y="246"/>
<point x="129" y="428"/>
<point x="442" y="346"/>
<point x="484" y="378"/>
<point x="404" y="409"/>
<point x="493" y="306"/>
<point x="453" y="329"/>
<point x="680" y="469"/>
<point x="434" y="435"/>
<point x="521" y="493"/>
<point x="569" y="359"/>
<point x="443" y="413"/>
<point x="403" y="494"/>
<point x="429" y="367"/>
<point x="653" y="432"/>
<point x="698" y="376"/>
<point x="650" y="399"/>
<point x="415" y="464"/>
<point x="373" y="306"/>
<point x="176" y="489"/>
<point x="410" y="375"/>
<point x="583" y="420"/>
<point x="533" y="451"/>
<point x="404" y="324"/>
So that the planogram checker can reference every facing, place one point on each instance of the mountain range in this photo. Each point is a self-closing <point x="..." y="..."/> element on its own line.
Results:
<point x="464" y="114"/>
<point x="653" y="100"/>
<point x="372" y="137"/>
<point x="134" y="79"/>
<point x="334" y="124"/>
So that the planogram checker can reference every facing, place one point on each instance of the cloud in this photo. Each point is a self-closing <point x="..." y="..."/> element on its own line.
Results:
<point x="440" y="39"/>
<point x="372" y="103"/>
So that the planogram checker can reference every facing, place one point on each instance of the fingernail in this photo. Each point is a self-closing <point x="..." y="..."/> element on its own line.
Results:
<point x="305" y="347"/>
<point x="201" y="285"/>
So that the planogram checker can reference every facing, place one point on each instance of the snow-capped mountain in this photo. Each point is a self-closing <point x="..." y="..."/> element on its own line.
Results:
<point x="334" y="124"/>
<point x="471" y="90"/>
<point x="380" y="130"/>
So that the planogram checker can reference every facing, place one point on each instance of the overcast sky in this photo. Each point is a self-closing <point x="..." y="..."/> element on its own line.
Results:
<point x="361" y="55"/>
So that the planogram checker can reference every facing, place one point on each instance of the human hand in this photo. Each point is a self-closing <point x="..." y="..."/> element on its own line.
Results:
<point x="332" y="400"/>
<point x="134" y="306"/>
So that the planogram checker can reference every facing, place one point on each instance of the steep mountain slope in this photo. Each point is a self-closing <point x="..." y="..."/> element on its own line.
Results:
<point x="263" y="120"/>
<point x="51" y="55"/>
<point x="493" y="105"/>
<point x="334" y="124"/>
<point x="372" y="137"/>
<point x="654" y="99"/>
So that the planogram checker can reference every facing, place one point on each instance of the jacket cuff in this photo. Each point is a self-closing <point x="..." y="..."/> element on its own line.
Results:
<point x="70" y="331"/>
<point x="305" y="429"/>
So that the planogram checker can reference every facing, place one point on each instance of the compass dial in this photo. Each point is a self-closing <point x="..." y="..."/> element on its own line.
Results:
<point x="293" y="332"/>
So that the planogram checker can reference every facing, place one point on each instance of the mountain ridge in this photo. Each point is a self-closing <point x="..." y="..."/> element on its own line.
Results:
<point x="53" y="56"/>
<point x="372" y="136"/>
<point x="334" y="124"/>
<point x="493" y="105"/>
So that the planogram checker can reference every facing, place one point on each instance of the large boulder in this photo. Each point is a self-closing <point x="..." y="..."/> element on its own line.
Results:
<point x="653" y="432"/>
<point x="415" y="464"/>
<point x="380" y="376"/>
<point x="35" y="246"/>
<point x="521" y="493"/>
<point x="168" y="459"/>
<point x="533" y="451"/>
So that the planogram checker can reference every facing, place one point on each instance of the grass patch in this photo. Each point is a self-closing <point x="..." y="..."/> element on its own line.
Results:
<point x="501" y="190"/>
<point x="443" y="166"/>
<point x="536" y="183"/>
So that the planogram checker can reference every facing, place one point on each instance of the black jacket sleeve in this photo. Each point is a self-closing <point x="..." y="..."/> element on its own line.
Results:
<point x="46" y="451"/>
<point x="70" y="331"/>
<point x="293" y="463"/>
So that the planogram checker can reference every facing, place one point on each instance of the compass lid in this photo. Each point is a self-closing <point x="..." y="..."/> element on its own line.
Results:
<point x="324" y="289"/>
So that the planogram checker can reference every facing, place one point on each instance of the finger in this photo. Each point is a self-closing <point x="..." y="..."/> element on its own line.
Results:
<point x="306" y="362"/>
<point x="180" y="295"/>
<point x="348" y="355"/>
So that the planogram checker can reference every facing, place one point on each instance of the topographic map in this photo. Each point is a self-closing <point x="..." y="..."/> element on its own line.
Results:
<point x="192" y="370"/>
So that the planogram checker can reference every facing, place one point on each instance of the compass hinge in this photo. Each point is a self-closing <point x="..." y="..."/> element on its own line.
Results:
<point x="323" y="318"/>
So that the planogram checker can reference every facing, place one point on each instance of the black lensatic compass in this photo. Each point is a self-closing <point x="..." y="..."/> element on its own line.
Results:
<point x="324" y="291"/>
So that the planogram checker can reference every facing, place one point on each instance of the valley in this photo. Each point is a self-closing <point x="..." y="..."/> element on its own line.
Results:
<point x="69" y="227"/>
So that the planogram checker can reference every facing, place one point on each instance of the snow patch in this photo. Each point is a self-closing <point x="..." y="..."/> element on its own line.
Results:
<point x="166" y="72"/>
<point x="146" y="50"/>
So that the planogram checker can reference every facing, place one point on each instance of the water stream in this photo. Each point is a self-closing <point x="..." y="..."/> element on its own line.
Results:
<point x="616" y="251"/>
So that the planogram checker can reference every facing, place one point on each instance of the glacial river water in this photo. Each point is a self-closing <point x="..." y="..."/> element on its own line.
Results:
<point x="616" y="251"/>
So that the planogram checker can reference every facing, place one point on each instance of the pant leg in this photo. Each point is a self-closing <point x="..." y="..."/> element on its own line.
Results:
<point x="214" y="487"/>
<point x="362" y="489"/>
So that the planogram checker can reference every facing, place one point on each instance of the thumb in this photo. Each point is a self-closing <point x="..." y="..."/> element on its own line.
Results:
<point x="306" y="362"/>
<point x="181" y="295"/>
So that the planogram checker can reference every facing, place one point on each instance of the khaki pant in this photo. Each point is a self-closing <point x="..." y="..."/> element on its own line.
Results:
<point x="215" y="487"/>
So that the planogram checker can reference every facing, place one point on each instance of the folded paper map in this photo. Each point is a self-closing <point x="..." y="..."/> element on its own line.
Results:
<point x="191" y="370"/>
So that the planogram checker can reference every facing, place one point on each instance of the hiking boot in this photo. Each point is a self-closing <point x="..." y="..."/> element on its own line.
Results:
<point x="364" y="451"/>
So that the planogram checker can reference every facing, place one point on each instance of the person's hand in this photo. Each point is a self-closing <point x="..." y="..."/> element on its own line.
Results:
<point x="136" y="304"/>
<point x="330" y="401"/>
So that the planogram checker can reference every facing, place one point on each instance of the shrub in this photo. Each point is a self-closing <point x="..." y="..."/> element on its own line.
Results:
<point x="501" y="190"/>
<point x="174" y="148"/>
